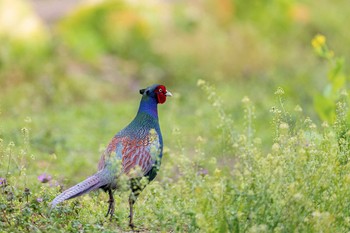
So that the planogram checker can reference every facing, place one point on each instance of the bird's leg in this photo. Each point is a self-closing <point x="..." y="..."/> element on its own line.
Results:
<point x="136" y="189"/>
<point x="111" y="204"/>
<point x="131" y="204"/>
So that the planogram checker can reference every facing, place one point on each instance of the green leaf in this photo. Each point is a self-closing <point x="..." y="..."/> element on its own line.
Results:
<point x="336" y="69"/>
<point x="325" y="108"/>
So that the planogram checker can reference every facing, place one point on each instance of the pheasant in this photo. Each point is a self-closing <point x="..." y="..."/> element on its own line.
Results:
<point x="135" y="152"/>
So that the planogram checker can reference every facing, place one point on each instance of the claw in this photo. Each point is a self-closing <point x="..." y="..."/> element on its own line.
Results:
<point x="132" y="226"/>
<point x="111" y="206"/>
<point x="131" y="215"/>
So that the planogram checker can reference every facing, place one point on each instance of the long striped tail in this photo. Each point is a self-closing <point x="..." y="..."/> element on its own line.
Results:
<point x="94" y="182"/>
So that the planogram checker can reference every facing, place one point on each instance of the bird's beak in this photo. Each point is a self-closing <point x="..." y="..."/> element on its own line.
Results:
<point x="168" y="93"/>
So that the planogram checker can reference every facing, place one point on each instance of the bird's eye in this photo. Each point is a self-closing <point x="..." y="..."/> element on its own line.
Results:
<point x="160" y="90"/>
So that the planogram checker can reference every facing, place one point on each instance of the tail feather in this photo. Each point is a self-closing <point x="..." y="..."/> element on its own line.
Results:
<point x="92" y="183"/>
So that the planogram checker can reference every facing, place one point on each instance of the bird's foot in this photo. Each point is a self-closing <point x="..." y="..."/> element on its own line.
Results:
<point x="110" y="210"/>
<point x="131" y="225"/>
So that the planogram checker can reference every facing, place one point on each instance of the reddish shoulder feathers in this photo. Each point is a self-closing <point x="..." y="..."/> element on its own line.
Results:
<point x="134" y="153"/>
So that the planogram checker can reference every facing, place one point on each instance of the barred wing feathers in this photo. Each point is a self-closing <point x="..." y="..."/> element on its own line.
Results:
<point x="134" y="153"/>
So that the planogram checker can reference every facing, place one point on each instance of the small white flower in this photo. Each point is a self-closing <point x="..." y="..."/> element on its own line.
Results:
<point x="298" y="109"/>
<point x="284" y="125"/>
<point x="245" y="100"/>
<point x="275" y="147"/>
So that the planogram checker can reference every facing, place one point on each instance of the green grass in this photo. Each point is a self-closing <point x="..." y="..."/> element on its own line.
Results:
<point x="256" y="135"/>
<point x="223" y="180"/>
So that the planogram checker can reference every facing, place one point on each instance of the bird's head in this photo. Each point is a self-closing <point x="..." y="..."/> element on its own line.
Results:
<point x="158" y="92"/>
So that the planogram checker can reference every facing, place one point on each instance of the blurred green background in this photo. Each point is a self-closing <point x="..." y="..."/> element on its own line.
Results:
<point x="70" y="71"/>
<point x="259" y="115"/>
<point x="248" y="47"/>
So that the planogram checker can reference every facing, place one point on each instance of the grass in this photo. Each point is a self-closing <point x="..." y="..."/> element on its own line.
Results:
<point x="225" y="181"/>
<point x="256" y="135"/>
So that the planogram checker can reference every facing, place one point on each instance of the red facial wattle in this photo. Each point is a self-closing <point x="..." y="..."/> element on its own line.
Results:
<point x="161" y="94"/>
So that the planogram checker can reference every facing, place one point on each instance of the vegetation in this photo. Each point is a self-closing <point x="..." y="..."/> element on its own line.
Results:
<point x="256" y="136"/>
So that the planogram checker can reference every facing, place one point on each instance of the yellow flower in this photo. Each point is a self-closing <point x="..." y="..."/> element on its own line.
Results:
<point x="318" y="41"/>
